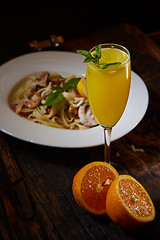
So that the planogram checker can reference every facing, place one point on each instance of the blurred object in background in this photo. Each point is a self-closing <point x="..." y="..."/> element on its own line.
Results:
<point x="71" y="20"/>
<point x="52" y="43"/>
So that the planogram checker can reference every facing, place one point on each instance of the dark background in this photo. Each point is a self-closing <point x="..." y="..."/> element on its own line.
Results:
<point x="70" y="19"/>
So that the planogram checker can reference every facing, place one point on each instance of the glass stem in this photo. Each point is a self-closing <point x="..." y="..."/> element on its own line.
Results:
<point x="107" y="141"/>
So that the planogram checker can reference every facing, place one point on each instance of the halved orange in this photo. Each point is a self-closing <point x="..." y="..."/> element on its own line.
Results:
<point x="128" y="203"/>
<point x="91" y="184"/>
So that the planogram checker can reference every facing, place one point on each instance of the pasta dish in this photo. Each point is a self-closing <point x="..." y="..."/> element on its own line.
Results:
<point x="52" y="100"/>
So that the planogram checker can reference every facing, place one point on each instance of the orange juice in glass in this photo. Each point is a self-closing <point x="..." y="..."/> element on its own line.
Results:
<point x="108" y="89"/>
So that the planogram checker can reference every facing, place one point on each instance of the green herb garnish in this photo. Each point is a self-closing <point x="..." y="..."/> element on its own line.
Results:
<point x="57" y="96"/>
<point x="96" y="57"/>
<point x="134" y="149"/>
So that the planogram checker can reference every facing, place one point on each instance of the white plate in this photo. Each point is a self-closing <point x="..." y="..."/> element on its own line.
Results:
<point x="65" y="63"/>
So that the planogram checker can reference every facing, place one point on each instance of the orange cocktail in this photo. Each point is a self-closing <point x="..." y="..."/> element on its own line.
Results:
<point x="108" y="89"/>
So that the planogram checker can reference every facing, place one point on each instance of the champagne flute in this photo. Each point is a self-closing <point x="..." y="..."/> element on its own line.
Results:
<point x="108" y="88"/>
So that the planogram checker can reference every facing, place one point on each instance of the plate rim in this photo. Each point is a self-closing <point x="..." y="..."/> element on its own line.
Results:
<point x="99" y="132"/>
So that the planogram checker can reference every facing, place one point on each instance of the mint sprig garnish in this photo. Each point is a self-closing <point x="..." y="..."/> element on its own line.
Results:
<point x="96" y="57"/>
<point x="57" y="95"/>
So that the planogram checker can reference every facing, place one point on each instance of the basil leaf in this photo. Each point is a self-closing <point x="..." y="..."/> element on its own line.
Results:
<point x="95" y="58"/>
<point x="57" y="87"/>
<point x="97" y="54"/>
<point x="107" y="65"/>
<point x="53" y="98"/>
<point x="85" y="53"/>
<point x="71" y="84"/>
<point x="89" y="60"/>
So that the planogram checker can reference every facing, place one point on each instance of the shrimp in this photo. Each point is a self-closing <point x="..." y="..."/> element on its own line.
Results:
<point x="31" y="101"/>
<point x="57" y="79"/>
<point x="86" y="116"/>
<point x="41" y="80"/>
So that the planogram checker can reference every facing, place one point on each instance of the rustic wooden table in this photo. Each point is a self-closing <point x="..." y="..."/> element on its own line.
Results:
<point x="36" y="200"/>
